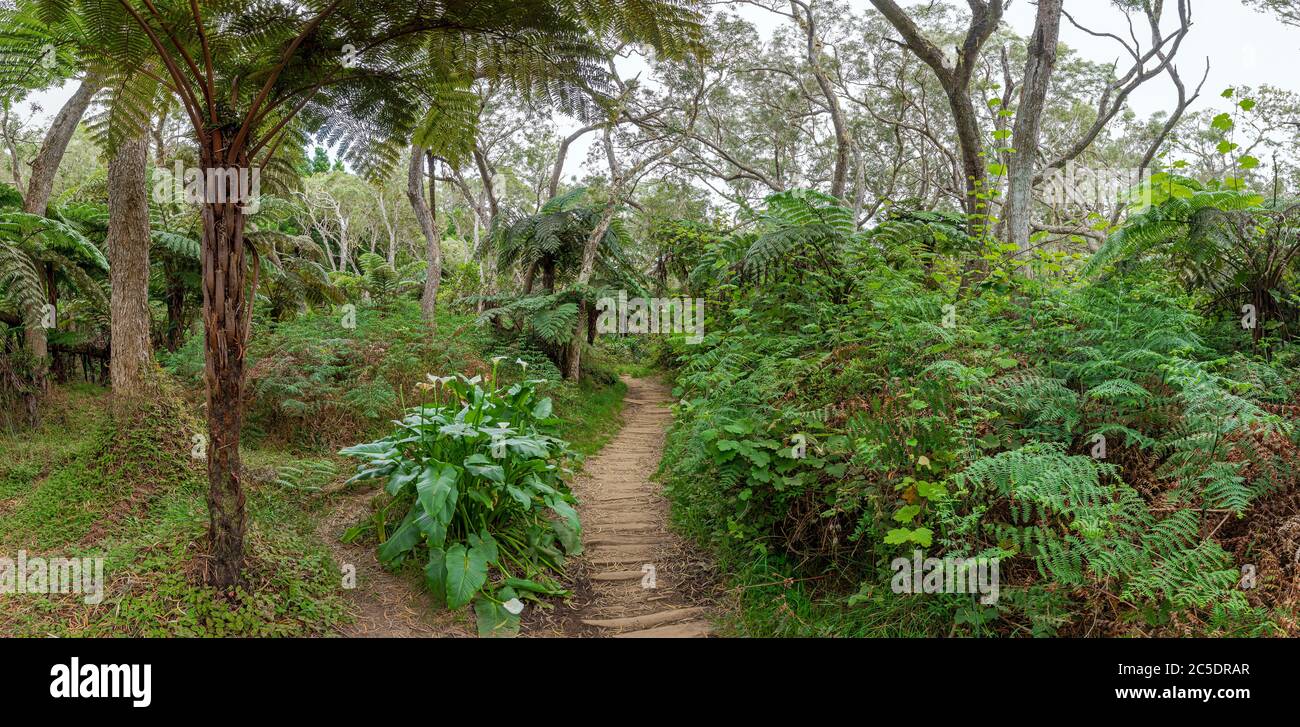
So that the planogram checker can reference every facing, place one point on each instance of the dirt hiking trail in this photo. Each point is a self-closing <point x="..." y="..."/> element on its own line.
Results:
<point x="635" y="578"/>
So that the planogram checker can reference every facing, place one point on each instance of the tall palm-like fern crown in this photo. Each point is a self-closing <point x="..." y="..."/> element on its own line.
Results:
<point x="368" y="76"/>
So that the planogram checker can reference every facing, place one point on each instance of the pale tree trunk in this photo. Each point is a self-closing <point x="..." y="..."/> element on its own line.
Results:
<point x="37" y="345"/>
<point x="557" y="169"/>
<point x="39" y="187"/>
<point x="488" y="211"/>
<point x="128" y="253"/>
<point x="433" y="253"/>
<point x="390" y="254"/>
<point x="46" y="163"/>
<point x="843" y="140"/>
<point x="159" y="141"/>
<point x="15" y="164"/>
<point x="487" y="262"/>
<point x="425" y="212"/>
<point x="1024" y="136"/>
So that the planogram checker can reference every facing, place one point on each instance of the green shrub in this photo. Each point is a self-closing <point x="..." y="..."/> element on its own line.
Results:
<point x="480" y="478"/>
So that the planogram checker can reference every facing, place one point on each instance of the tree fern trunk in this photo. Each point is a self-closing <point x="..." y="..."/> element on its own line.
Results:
<point x="529" y="278"/>
<point x="573" y="359"/>
<point x="548" y="275"/>
<point x="226" y="321"/>
<point x="175" y="310"/>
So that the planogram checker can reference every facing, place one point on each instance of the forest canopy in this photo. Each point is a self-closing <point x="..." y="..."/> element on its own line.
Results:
<point x="454" y="290"/>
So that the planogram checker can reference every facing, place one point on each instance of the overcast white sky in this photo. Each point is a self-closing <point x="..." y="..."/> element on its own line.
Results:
<point x="1244" y="47"/>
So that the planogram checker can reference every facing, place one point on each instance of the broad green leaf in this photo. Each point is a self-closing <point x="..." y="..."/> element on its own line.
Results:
<point x="543" y="409"/>
<point x="404" y="476"/>
<point x="568" y="536"/>
<point x="564" y="510"/>
<point x="434" y="529"/>
<point x="520" y="496"/>
<point x="436" y="488"/>
<point x="485" y="544"/>
<point x="494" y="621"/>
<point x="920" y="536"/>
<point x="898" y="536"/>
<point x="492" y="472"/>
<point x="435" y="575"/>
<point x="931" y="490"/>
<point x="466" y="573"/>
<point x="907" y="513"/>
<point x="401" y="541"/>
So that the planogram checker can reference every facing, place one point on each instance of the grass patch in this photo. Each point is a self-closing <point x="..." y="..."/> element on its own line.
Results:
<point x="83" y="498"/>
<point x="590" y="412"/>
<point x="27" y="455"/>
<point x="635" y="369"/>
<point x="771" y="601"/>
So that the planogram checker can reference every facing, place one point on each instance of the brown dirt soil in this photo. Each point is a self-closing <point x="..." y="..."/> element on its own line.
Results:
<point x="383" y="604"/>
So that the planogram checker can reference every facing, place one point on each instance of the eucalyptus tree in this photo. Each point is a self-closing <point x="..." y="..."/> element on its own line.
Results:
<point x="954" y="73"/>
<point x="38" y="52"/>
<point x="1040" y="62"/>
<point x="754" y="130"/>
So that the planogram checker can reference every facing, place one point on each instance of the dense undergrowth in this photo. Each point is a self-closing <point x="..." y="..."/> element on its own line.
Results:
<point x="127" y="487"/>
<point x="1117" y="439"/>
